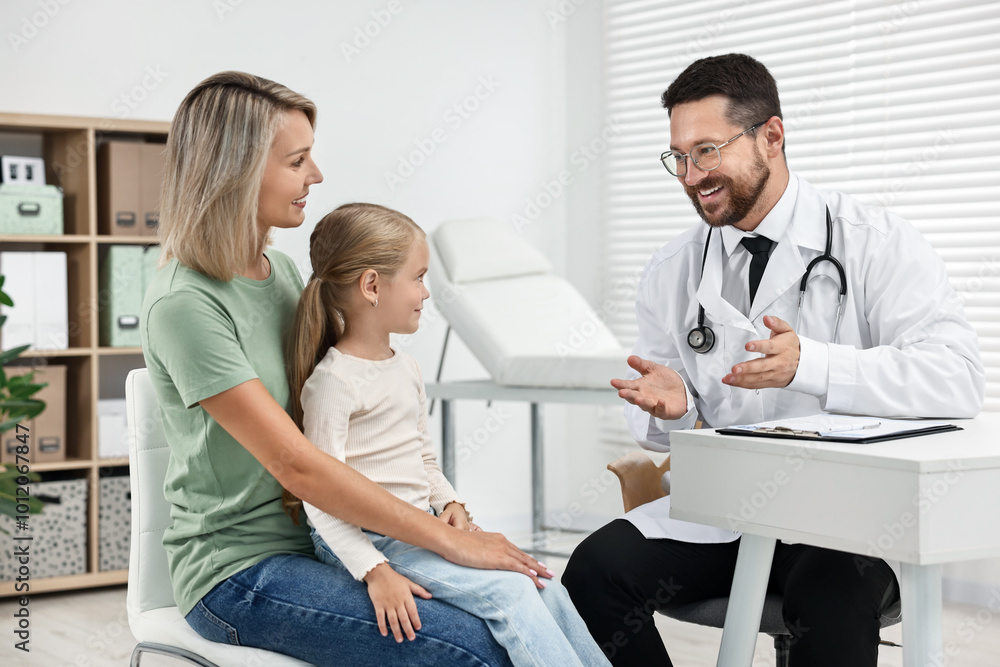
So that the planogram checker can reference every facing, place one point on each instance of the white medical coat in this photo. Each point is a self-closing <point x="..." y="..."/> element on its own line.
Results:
<point x="905" y="348"/>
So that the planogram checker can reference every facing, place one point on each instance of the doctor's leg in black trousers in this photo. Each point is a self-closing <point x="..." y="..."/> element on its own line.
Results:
<point x="618" y="579"/>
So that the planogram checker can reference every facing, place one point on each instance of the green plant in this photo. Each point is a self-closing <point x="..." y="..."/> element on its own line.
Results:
<point x="16" y="402"/>
<point x="9" y="500"/>
<point x="16" y="406"/>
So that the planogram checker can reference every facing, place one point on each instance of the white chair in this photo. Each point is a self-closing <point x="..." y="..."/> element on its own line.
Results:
<point x="526" y="326"/>
<point x="153" y="615"/>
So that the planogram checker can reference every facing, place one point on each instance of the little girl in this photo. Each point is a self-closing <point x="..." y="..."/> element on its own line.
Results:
<point x="362" y="401"/>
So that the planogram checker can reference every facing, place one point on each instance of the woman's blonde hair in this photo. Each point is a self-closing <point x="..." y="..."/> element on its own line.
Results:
<point x="345" y="243"/>
<point x="217" y="149"/>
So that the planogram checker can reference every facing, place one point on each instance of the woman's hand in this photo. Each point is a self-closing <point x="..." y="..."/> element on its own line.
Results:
<point x="454" y="514"/>
<point x="392" y="595"/>
<point x="492" y="551"/>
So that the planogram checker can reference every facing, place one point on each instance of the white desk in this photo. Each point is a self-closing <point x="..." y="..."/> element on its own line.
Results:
<point x="447" y="392"/>
<point x="921" y="501"/>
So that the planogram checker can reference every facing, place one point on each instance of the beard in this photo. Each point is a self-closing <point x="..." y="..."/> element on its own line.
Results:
<point x="743" y="196"/>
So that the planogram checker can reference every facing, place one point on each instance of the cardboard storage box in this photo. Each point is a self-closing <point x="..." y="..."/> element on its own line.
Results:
<point x="46" y="432"/>
<point x="125" y="274"/>
<point x="129" y="175"/>
<point x="118" y="180"/>
<point x="151" y="165"/>
<point x="58" y="545"/>
<point x="31" y="209"/>
<point x="37" y="283"/>
<point x="114" y="522"/>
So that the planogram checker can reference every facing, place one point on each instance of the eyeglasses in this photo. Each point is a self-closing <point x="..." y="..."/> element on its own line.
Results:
<point x="705" y="156"/>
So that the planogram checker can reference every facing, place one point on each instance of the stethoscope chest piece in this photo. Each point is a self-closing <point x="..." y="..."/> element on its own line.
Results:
<point x="701" y="339"/>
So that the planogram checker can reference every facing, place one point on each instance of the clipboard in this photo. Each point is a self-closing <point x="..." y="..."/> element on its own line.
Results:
<point x="841" y="428"/>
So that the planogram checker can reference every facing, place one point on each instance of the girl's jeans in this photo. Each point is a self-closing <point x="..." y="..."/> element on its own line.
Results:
<point x="537" y="627"/>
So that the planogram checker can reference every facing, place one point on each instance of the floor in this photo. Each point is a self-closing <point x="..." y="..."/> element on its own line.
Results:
<point x="90" y="629"/>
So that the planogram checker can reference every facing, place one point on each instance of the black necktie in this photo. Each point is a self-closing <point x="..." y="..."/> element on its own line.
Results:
<point x="758" y="246"/>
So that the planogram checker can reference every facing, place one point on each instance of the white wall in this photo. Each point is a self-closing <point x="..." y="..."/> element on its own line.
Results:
<point x="475" y="94"/>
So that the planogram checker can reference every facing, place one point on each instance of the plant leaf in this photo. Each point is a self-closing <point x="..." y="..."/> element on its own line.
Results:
<point x="12" y="354"/>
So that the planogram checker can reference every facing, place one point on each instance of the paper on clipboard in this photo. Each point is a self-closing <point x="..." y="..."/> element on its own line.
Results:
<point x="841" y="427"/>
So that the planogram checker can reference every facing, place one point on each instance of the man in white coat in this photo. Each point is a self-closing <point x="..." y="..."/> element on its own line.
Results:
<point x="722" y="334"/>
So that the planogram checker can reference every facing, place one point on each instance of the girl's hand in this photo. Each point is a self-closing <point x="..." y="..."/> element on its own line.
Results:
<point x="492" y="551"/>
<point x="392" y="595"/>
<point x="454" y="514"/>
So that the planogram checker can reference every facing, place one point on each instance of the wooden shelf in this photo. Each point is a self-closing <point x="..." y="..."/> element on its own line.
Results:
<point x="109" y="239"/>
<point x="45" y="123"/>
<point x="67" y="583"/>
<point x="70" y="463"/>
<point x="47" y="238"/>
<point x="113" y="462"/>
<point x="106" y="239"/>
<point x="71" y="352"/>
<point x="69" y="146"/>
<point x="118" y="351"/>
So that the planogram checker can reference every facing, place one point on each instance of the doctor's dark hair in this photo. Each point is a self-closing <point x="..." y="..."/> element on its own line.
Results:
<point x="744" y="81"/>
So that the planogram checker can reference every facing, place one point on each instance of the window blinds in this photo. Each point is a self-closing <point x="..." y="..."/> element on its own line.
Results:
<point x="895" y="103"/>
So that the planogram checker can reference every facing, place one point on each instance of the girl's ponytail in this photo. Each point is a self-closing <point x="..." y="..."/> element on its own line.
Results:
<point x="314" y="332"/>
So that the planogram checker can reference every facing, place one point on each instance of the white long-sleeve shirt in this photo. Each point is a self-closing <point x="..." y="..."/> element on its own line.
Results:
<point x="372" y="416"/>
<point x="904" y="347"/>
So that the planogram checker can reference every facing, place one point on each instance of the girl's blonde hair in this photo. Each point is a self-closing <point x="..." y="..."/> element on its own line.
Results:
<point x="217" y="149"/>
<point x="347" y="242"/>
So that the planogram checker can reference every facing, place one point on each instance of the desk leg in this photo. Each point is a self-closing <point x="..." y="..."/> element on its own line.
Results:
<point x="537" y="471"/>
<point x="448" y="441"/>
<point x="920" y="591"/>
<point x="746" y="601"/>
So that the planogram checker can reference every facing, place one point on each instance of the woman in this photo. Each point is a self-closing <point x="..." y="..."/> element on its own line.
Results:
<point x="215" y="321"/>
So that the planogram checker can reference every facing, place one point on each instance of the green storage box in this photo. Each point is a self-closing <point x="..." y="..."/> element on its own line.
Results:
<point x="31" y="209"/>
<point x="125" y="274"/>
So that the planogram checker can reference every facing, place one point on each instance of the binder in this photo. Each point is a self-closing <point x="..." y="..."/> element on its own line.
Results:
<point x="841" y="428"/>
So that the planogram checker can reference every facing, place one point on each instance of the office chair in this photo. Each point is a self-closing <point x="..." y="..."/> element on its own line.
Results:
<point x="153" y="616"/>
<point x="643" y="481"/>
<point x="525" y="325"/>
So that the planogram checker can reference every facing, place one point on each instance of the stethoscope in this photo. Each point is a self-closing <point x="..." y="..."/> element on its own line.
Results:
<point x="702" y="338"/>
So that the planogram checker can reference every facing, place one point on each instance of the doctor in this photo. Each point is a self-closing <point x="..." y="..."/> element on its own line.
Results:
<point x="722" y="335"/>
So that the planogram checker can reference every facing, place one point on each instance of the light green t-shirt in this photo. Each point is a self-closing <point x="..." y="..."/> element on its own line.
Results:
<point x="201" y="337"/>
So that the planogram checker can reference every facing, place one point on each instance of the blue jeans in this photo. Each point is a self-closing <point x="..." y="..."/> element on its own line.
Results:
<point x="539" y="628"/>
<point x="296" y="605"/>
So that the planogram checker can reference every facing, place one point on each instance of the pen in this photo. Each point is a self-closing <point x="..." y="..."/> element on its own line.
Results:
<point x="852" y="427"/>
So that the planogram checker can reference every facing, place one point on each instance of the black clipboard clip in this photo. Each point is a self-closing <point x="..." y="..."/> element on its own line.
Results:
<point x="784" y="430"/>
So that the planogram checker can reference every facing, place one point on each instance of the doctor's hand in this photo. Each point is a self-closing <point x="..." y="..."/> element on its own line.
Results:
<point x="778" y="365"/>
<point x="659" y="390"/>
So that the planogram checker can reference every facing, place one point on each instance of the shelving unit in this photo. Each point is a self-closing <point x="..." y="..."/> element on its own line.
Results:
<point x="69" y="146"/>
